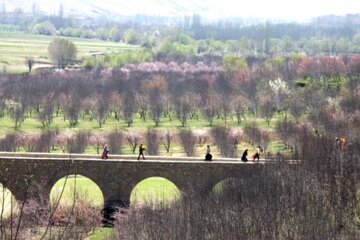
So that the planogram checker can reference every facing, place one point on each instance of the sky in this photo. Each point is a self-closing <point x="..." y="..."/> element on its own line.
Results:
<point x="299" y="10"/>
<point x="288" y="9"/>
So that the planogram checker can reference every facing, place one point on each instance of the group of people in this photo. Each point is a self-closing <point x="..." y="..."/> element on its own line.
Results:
<point x="256" y="156"/>
<point x="106" y="151"/>
<point x="208" y="156"/>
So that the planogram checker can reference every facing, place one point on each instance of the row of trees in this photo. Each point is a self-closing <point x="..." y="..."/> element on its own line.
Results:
<point x="226" y="140"/>
<point x="181" y="46"/>
<point x="157" y="90"/>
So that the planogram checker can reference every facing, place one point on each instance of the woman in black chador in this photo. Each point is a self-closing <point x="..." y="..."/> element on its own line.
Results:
<point x="244" y="156"/>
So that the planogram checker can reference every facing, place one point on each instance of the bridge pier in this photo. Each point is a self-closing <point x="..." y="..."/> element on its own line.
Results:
<point x="111" y="208"/>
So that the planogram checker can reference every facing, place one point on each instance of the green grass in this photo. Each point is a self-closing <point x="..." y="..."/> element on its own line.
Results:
<point x="150" y="190"/>
<point x="5" y="200"/>
<point x="102" y="234"/>
<point x="16" y="46"/>
<point x="32" y="125"/>
<point x="84" y="188"/>
<point x="154" y="190"/>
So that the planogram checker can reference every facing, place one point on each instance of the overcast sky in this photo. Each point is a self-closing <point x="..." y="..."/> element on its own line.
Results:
<point x="289" y="9"/>
<point x="211" y="9"/>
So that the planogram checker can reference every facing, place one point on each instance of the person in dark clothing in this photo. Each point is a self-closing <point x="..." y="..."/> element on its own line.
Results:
<point x="208" y="156"/>
<point x="141" y="151"/>
<point x="104" y="154"/>
<point x="244" y="156"/>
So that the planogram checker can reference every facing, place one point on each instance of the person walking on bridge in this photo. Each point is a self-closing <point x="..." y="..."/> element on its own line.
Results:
<point x="244" y="156"/>
<point x="141" y="151"/>
<point x="257" y="154"/>
<point x="208" y="156"/>
<point x="105" y="152"/>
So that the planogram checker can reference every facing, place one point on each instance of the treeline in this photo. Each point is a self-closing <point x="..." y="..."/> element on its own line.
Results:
<point x="323" y="34"/>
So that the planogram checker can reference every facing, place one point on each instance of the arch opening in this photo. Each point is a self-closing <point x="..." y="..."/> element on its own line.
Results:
<point x="73" y="189"/>
<point x="154" y="191"/>
<point x="8" y="203"/>
<point x="226" y="186"/>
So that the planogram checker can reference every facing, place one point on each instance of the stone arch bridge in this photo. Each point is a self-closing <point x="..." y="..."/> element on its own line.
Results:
<point x="116" y="177"/>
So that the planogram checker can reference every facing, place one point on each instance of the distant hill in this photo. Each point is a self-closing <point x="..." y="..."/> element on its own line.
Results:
<point x="93" y="8"/>
<point x="209" y="9"/>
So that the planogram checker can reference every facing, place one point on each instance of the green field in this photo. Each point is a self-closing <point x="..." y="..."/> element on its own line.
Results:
<point x="154" y="190"/>
<point x="16" y="46"/>
<point x="32" y="125"/>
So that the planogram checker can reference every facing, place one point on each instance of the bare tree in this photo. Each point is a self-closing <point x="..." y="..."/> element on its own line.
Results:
<point x="156" y="87"/>
<point x="238" y="105"/>
<point x="225" y="141"/>
<point x="129" y="106"/>
<point x="115" y="141"/>
<point x="133" y="138"/>
<point x="17" y="112"/>
<point x="29" y="63"/>
<point x="183" y="108"/>
<point x="116" y="103"/>
<point x="202" y="136"/>
<point x="267" y="109"/>
<point x="187" y="140"/>
<point x="78" y="142"/>
<point x="9" y="143"/>
<point x="98" y="140"/>
<point x="211" y="107"/>
<point x="296" y="106"/>
<point x="166" y="139"/>
<point x="101" y="108"/>
<point x="71" y="105"/>
<point x="142" y="103"/>
<point x="152" y="139"/>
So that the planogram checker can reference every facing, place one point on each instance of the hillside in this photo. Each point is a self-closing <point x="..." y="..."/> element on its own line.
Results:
<point x="209" y="9"/>
<point x="95" y="8"/>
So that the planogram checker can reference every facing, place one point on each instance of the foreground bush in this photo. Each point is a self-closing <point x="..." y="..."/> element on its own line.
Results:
<point x="312" y="200"/>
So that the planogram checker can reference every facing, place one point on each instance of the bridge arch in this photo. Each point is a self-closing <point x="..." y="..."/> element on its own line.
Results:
<point x="78" y="186"/>
<point x="226" y="184"/>
<point x="8" y="201"/>
<point x="154" y="190"/>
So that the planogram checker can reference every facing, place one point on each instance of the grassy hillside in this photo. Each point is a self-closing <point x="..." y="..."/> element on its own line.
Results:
<point x="15" y="47"/>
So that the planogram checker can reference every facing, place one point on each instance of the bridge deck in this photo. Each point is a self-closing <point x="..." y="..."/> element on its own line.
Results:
<point x="120" y="158"/>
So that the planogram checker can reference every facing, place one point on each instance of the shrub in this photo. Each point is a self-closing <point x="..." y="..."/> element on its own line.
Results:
<point x="152" y="139"/>
<point x="78" y="142"/>
<point x="9" y="143"/>
<point x="187" y="140"/>
<point x="115" y="141"/>
<point x="225" y="141"/>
